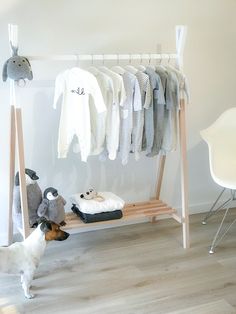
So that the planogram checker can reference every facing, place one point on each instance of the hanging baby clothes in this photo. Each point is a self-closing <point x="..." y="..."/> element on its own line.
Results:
<point x="162" y="72"/>
<point x="177" y="82"/>
<point x="131" y="104"/>
<point x="113" y="114"/>
<point x="146" y="98"/>
<point x="154" y="115"/>
<point x="98" y="122"/>
<point x="183" y="84"/>
<point x="158" y="112"/>
<point x="75" y="86"/>
<point x="171" y="113"/>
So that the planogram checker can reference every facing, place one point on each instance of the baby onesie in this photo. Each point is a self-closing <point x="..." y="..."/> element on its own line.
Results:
<point x="98" y="122"/>
<point x="154" y="115"/>
<point x="146" y="98"/>
<point x="113" y="113"/>
<point x="171" y="113"/>
<point x="76" y="85"/>
<point x="131" y="105"/>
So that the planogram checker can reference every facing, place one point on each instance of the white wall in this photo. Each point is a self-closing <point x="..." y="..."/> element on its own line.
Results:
<point x="125" y="26"/>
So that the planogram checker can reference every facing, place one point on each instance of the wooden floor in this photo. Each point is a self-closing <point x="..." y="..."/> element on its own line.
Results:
<point x="131" y="270"/>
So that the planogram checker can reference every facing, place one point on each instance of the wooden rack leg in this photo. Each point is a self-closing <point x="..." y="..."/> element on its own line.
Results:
<point x="21" y="161"/>
<point x="162" y="161"/>
<point x="184" y="179"/>
<point x="11" y="173"/>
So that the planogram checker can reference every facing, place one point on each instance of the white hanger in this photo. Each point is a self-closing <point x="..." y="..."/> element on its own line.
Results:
<point x="77" y="61"/>
<point x="117" y="68"/>
<point x="161" y="66"/>
<point x="149" y="63"/>
<point x="92" y="68"/>
<point x="103" y="67"/>
<point x="141" y="67"/>
<point x="130" y="68"/>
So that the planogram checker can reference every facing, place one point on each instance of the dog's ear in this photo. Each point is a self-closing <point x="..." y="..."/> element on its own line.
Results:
<point x="45" y="225"/>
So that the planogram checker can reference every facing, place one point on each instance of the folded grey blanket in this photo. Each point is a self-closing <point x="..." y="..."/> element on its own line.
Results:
<point x="104" y="216"/>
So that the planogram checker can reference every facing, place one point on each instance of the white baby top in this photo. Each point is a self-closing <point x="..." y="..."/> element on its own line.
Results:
<point x="113" y="114"/>
<point x="76" y="85"/>
<point x="98" y="126"/>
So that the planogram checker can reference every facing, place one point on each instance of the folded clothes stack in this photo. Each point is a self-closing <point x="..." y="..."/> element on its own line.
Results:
<point x="93" y="207"/>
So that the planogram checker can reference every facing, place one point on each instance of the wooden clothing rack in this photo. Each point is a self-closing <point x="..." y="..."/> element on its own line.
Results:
<point x="152" y="208"/>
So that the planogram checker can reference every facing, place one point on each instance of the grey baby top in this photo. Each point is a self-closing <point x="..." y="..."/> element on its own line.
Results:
<point x="146" y="98"/>
<point x="171" y="113"/>
<point x="153" y="117"/>
<point x="131" y="104"/>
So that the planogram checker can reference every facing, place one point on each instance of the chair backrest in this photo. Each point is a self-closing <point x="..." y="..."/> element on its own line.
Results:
<point x="221" y="140"/>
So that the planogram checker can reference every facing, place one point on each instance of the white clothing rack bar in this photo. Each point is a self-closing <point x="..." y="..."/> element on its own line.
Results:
<point x="150" y="209"/>
<point x="103" y="57"/>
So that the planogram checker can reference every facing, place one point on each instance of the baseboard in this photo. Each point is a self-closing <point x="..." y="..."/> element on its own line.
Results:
<point x="204" y="207"/>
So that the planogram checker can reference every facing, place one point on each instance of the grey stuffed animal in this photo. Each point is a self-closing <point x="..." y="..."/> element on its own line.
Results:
<point x="17" y="67"/>
<point x="52" y="206"/>
<point x="34" y="198"/>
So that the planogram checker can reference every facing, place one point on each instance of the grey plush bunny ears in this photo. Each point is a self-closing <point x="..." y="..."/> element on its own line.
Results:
<point x="17" y="67"/>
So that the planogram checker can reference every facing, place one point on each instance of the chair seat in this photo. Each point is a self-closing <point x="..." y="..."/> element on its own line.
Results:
<point x="221" y="140"/>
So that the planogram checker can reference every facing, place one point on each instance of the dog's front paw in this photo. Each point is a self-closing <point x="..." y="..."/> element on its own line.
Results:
<point x="29" y="296"/>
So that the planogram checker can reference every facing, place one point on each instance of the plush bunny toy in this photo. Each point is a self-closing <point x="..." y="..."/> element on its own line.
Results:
<point x="17" y="67"/>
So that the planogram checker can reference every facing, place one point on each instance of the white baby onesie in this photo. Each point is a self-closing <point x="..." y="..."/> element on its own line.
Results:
<point x="76" y="85"/>
<point x="98" y="122"/>
<point x="113" y="114"/>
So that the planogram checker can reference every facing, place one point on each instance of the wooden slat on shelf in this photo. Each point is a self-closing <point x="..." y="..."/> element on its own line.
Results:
<point x="154" y="211"/>
<point x="146" y="206"/>
<point x="131" y="205"/>
<point x="143" y="208"/>
<point x="134" y="211"/>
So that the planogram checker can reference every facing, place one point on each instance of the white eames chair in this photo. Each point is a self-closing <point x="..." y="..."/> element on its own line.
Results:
<point x="221" y="140"/>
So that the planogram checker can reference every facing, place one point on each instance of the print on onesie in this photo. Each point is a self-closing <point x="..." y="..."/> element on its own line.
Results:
<point x="78" y="91"/>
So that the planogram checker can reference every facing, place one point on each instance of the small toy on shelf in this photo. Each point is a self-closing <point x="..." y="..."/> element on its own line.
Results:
<point x="91" y="194"/>
<point x="52" y="206"/>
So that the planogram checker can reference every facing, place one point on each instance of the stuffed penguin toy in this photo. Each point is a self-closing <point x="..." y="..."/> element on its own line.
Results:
<point x="17" y="67"/>
<point x="52" y="206"/>
<point x="34" y="198"/>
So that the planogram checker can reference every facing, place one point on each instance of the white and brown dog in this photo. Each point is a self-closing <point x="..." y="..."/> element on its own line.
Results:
<point x="22" y="258"/>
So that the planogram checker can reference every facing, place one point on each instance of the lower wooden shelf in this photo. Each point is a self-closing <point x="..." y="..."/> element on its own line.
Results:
<point x="134" y="211"/>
